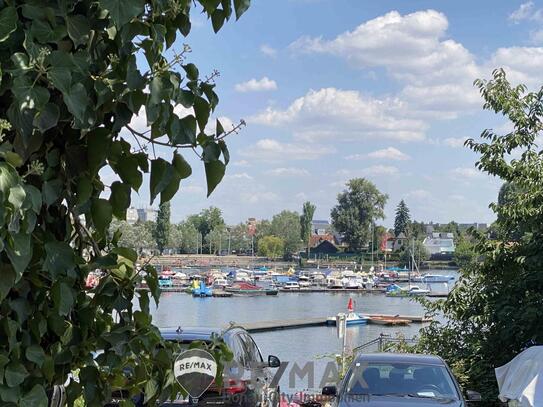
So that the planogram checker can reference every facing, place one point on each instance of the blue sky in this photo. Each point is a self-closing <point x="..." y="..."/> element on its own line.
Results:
<point x="336" y="89"/>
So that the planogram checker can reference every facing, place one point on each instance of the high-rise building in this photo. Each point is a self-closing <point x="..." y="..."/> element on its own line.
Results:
<point x="147" y="214"/>
<point x="132" y="215"/>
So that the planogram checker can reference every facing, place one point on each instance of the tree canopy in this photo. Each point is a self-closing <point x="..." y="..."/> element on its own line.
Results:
<point x="286" y="225"/>
<point x="271" y="247"/>
<point x="71" y="82"/>
<point x="402" y="219"/>
<point x="495" y="307"/>
<point x="162" y="227"/>
<point x="306" y="220"/>
<point x="358" y="207"/>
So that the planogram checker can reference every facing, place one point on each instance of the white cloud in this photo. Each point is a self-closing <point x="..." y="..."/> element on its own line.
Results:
<point x="343" y="114"/>
<point x="268" y="50"/>
<point x="288" y="172"/>
<point x="380" y="170"/>
<point x="256" y="85"/>
<point x="241" y="163"/>
<point x="465" y="173"/>
<point x="419" y="195"/>
<point x="240" y="176"/>
<point x="191" y="189"/>
<point x="259" y="197"/>
<point x="526" y="11"/>
<point x="455" y="142"/>
<point x="389" y="153"/>
<point x="274" y="150"/>
<point x="437" y="72"/>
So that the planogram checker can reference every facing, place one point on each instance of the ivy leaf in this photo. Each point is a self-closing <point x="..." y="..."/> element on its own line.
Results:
<point x="8" y="177"/>
<point x="214" y="174"/>
<point x="181" y="165"/>
<point x="192" y="71"/>
<point x="6" y="282"/>
<point x="8" y="22"/>
<point x="102" y="214"/>
<point x="15" y="374"/>
<point x="59" y="258"/>
<point x="84" y="190"/>
<point x="119" y="199"/>
<point x="241" y="6"/>
<point x="78" y="29"/>
<point x="161" y="176"/>
<point x="183" y="131"/>
<point x="201" y="110"/>
<point x="122" y="11"/>
<point x="16" y="197"/>
<point x="35" y="197"/>
<point x="51" y="191"/>
<point x="47" y="117"/>
<point x="63" y="298"/>
<point x="35" y="397"/>
<point x="219" y="129"/>
<point x="19" y="252"/>
<point x="77" y="101"/>
<point x="151" y="388"/>
<point x="217" y="19"/>
<point x="35" y="354"/>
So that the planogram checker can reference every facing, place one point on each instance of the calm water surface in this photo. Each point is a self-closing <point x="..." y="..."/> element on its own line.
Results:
<point x="299" y="346"/>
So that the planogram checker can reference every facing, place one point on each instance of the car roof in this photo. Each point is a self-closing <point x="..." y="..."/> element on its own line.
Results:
<point x="410" y="358"/>
<point x="191" y="334"/>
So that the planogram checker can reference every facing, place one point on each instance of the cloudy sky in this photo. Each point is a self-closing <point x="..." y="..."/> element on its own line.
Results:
<point x="336" y="89"/>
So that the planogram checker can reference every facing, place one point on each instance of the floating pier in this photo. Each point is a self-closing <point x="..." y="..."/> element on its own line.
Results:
<point x="277" y="325"/>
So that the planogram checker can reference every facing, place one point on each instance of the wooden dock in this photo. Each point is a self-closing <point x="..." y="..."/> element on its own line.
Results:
<point x="277" y="325"/>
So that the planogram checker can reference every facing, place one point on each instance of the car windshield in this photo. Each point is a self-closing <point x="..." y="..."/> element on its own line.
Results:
<point x="400" y="379"/>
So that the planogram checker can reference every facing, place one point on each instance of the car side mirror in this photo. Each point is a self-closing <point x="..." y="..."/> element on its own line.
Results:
<point x="473" y="396"/>
<point x="273" y="361"/>
<point x="329" y="390"/>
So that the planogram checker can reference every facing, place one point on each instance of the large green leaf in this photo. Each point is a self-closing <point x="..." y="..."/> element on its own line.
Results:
<point x="214" y="174"/>
<point x="201" y="110"/>
<point x="29" y="95"/>
<point x="192" y="71"/>
<point x="36" y="397"/>
<point x="15" y="373"/>
<point x="78" y="28"/>
<point x="182" y="131"/>
<point x="8" y="177"/>
<point x="77" y="101"/>
<point x="63" y="298"/>
<point x="102" y="214"/>
<point x="241" y="6"/>
<point x="8" y="22"/>
<point x="19" y="252"/>
<point x="161" y="176"/>
<point x="181" y="165"/>
<point x="47" y="117"/>
<point x="7" y="279"/>
<point x="122" y="11"/>
<point x="119" y="199"/>
<point x="35" y="354"/>
<point x="16" y="197"/>
<point x="59" y="258"/>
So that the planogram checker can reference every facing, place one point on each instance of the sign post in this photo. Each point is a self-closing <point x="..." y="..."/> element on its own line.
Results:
<point x="341" y="327"/>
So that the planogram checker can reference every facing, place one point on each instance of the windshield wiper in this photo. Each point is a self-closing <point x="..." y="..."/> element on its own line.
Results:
<point x="441" y="399"/>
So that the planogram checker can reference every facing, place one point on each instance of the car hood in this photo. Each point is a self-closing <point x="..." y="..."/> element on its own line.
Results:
<point x="380" y="401"/>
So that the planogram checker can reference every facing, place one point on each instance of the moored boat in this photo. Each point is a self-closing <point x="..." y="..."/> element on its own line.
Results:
<point x="352" y="318"/>
<point x="243" y="288"/>
<point x="391" y="321"/>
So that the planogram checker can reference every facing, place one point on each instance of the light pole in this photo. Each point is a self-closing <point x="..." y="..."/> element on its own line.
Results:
<point x="229" y="235"/>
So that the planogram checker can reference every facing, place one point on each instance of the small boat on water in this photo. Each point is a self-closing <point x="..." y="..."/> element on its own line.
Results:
<point x="202" y="290"/>
<point x="291" y="285"/>
<point x="413" y="291"/>
<point x="248" y="289"/>
<point x="352" y="317"/>
<point x="436" y="278"/>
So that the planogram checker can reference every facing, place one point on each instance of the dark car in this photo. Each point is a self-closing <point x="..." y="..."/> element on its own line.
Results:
<point x="247" y="380"/>
<point x="399" y="380"/>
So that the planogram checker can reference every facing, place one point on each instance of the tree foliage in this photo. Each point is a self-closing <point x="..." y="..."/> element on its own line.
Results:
<point x="306" y="221"/>
<point x="402" y="219"/>
<point x="70" y="82"/>
<point x="271" y="247"/>
<point x="359" y="206"/>
<point x="495" y="308"/>
<point x="206" y="221"/>
<point x="286" y="225"/>
<point x="162" y="227"/>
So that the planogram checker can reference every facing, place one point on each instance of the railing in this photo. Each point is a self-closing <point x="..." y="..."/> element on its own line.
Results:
<point x="382" y="343"/>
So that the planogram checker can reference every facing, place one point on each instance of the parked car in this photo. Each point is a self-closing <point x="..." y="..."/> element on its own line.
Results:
<point x="246" y="387"/>
<point x="398" y="380"/>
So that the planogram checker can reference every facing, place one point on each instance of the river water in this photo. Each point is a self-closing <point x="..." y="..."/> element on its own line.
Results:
<point x="296" y="346"/>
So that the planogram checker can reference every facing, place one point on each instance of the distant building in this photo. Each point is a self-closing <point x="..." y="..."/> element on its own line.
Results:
<point x="132" y="215"/>
<point x="325" y="247"/>
<point x="147" y="214"/>
<point x="440" y="244"/>
<point x="320" y="227"/>
<point x="395" y="243"/>
<point x="317" y="239"/>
